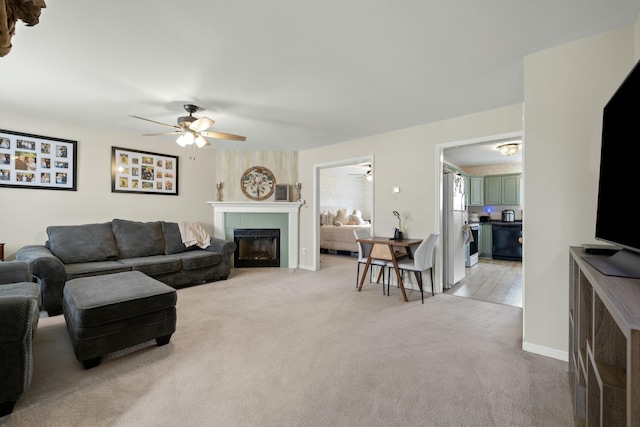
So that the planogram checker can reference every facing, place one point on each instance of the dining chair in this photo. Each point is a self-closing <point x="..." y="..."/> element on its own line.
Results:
<point x="422" y="261"/>
<point x="363" y="253"/>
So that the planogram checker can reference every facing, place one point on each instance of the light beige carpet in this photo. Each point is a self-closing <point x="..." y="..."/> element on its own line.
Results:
<point x="270" y="347"/>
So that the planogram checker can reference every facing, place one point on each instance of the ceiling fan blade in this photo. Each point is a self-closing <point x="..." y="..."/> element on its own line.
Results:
<point x="201" y="124"/>
<point x="221" y="135"/>
<point x="153" y="121"/>
<point x="177" y="132"/>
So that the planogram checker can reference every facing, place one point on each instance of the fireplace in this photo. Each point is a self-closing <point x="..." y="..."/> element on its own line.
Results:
<point x="228" y="215"/>
<point x="256" y="247"/>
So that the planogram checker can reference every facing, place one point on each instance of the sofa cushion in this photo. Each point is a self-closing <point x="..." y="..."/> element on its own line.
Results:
<point x="82" y="243"/>
<point x="21" y="289"/>
<point x="137" y="239"/>
<point x="173" y="239"/>
<point x="153" y="265"/>
<point x="86" y="269"/>
<point x="193" y="260"/>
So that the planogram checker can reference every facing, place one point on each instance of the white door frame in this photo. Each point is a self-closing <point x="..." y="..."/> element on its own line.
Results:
<point x="439" y="164"/>
<point x="369" y="158"/>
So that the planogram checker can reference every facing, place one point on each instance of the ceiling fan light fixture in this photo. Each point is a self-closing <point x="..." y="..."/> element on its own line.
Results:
<point x="181" y="141"/>
<point x="192" y="129"/>
<point x="200" y="141"/>
<point x="185" y="139"/>
<point x="508" y="149"/>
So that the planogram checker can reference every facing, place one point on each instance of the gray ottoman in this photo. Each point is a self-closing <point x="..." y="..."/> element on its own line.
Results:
<point x="115" y="311"/>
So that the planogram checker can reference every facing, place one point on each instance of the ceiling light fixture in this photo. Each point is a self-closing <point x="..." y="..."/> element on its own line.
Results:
<point x="200" y="141"/>
<point x="187" y="138"/>
<point x="508" y="149"/>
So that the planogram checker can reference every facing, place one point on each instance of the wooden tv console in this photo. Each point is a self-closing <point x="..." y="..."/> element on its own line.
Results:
<point x="604" y="345"/>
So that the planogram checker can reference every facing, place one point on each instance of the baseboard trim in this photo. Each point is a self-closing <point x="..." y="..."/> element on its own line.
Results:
<point x="545" y="351"/>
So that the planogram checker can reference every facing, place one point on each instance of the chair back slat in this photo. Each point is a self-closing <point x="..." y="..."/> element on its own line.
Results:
<point x="363" y="248"/>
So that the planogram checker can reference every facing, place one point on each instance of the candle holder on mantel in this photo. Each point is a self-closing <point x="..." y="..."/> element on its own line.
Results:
<point x="298" y="187"/>
<point x="218" y="191"/>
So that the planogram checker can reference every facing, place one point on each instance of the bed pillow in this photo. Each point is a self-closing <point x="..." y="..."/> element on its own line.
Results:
<point x="342" y="217"/>
<point x="331" y="219"/>
<point x="324" y="218"/>
<point x="356" y="218"/>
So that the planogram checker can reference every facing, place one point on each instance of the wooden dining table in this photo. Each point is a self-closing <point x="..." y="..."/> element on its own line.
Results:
<point x="388" y="249"/>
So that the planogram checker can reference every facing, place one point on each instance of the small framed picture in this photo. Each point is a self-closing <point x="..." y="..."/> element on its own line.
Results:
<point x="282" y="192"/>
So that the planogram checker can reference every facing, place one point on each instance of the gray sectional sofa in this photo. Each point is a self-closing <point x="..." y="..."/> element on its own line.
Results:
<point x="19" y="311"/>
<point x="153" y="248"/>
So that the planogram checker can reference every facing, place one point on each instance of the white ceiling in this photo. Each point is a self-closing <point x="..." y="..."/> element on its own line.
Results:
<point x="485" y="153"/>
<point x="289" y="75"/>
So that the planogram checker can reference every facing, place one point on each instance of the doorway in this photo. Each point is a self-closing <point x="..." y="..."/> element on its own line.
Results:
<point x="489" y="280"/>
<point x="329" y="192"/>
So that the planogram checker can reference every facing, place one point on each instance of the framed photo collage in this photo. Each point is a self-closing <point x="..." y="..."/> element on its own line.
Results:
<point x="134" y="171"/>
<point x="34" y="161"/>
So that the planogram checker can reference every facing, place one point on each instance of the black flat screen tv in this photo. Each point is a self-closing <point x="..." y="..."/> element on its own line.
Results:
<point x="619" y="180"/>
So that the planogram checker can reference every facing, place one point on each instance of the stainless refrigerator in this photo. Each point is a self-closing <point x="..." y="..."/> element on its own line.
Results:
<point x="455" y="216"/>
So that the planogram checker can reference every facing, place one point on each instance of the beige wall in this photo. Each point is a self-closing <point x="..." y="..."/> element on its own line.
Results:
<point x="566" y="89"/>
<point x="405" y="158"/>
<point x="27" y="212"/>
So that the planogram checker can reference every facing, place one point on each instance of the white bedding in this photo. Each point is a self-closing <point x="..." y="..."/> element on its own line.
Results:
<point x="340" y="237"/>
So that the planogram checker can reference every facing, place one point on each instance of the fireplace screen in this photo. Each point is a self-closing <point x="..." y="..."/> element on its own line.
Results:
<point x="256" y="247"/>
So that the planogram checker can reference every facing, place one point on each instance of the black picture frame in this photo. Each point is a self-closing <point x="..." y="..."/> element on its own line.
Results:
<point x="282" y="192"/>
<point x="143" y="172"/>
<point x="37" y="162"/>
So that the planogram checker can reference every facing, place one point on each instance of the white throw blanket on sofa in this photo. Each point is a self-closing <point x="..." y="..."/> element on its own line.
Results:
<point x="193" y="234"/>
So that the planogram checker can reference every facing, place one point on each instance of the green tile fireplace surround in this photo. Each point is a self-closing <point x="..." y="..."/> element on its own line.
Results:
<point x="261" y="220"/>
<point x="276" y="215"/>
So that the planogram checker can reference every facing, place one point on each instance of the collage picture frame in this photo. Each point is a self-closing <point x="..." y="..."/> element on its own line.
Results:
<point x="37" y="162"/>
<point x="142" y="172"/>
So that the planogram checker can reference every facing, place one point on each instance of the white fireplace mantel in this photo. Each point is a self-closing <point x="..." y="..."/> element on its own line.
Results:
<point x="290" y="208"/>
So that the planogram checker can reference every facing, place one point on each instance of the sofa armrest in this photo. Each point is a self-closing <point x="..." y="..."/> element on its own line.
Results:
<point x="16" y="333"/>
<point x="225" y="248"/>
<point x="15" y="271"/>
<point x="49" y="272"/>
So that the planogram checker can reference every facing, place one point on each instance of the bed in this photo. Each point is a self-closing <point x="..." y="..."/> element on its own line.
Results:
<point x="336" y="229"/>
<point x="340" y="237"/>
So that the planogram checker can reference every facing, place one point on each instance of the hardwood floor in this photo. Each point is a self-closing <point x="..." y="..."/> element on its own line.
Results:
<point x="492" y="280"/>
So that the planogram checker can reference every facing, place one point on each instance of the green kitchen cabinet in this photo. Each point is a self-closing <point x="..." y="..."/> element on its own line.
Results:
<point x="511" y="190"/>
<point x="493" y="190"/>
<point x="485" y="241"/>
<point x="475" y="191"/>
<point x="502" y="189"/>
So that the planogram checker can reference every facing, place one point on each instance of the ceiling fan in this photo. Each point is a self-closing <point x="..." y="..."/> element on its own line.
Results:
<point x="367" y="174"/>
<point x="193" y="130"/>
